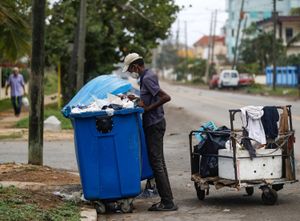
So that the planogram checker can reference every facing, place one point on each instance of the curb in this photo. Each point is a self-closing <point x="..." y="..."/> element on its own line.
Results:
<point x="88" y="214"/>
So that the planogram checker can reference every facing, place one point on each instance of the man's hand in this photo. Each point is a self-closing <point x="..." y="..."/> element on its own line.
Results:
<point x="131" y="97"/>
<point x="142" y="104"/>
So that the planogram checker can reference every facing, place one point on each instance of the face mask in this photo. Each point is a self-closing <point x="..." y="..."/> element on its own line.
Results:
<point x="134" y="75"/>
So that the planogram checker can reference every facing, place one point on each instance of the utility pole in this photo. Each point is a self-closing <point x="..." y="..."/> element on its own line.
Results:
<point x="36" y="90"/>
<point x="206" y="79"/>
<point x="186" y="47"/>
<point x="1" y="83"/>
<point x="242" y="37"/>
<point x="81" y="45"/>
<point x="214" y="37"/>
<point x="274" y="44"/>
<point x="177" y="35"/>
<point x="237" y="35"/>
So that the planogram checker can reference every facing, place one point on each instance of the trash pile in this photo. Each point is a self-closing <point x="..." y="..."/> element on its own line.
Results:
<point x="103" y="93"/>
<point x="109" y="105"/>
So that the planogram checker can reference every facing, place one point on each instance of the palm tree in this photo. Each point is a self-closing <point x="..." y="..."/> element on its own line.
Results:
<point x="14" y="32"/>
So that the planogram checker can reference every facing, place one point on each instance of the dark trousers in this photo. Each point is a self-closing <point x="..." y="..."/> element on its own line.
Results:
<point x="17" y="104"/>
<point x="154" y="137"/>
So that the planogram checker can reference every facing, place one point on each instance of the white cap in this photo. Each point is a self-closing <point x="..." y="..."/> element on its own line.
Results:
<point x="129" y="59"/>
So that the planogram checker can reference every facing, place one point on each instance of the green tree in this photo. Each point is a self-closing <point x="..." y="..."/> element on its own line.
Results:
<point x="14" y="29"/>
<point x="167" y="58"/>
<point x="114" y="28"/>
<point x="257" y="48"/>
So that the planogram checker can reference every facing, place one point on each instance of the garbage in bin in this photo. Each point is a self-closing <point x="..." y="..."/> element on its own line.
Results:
<point x="109" y="140"/>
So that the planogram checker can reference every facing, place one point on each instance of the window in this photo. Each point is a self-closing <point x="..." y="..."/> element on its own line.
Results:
<point x="288" y="33"/>
<point x="234" y="75"/>
<point x="232" y="32"/>
<point x="226" y="75"/>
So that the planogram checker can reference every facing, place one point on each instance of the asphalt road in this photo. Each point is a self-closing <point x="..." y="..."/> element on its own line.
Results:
<point x="188" y="109"/>
<point x="213" y="105"/>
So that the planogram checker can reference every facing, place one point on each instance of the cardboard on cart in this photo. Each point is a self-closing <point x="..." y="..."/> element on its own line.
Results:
<point x="267" y="164"/>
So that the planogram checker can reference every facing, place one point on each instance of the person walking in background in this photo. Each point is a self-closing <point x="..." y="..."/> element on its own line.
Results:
<point x="17" y="90"/>
<point x="154" y="124"/>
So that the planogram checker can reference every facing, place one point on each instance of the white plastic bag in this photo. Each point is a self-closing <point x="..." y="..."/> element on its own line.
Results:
<point x="25" y="102"/>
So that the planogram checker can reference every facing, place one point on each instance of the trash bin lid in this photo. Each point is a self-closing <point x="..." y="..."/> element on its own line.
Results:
<point x="104" y="113"/>
<point x="98" y="88"/>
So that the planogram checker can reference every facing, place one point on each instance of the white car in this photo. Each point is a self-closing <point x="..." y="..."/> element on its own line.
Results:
<point x="228" y="78"/>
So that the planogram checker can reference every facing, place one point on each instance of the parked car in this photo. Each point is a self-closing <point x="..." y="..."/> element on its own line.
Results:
<point x="228" y="78"/>
<point x="213" y="83"/>
<point x="246" y="79"/>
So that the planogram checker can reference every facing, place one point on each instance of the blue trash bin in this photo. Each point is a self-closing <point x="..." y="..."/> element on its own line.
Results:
<point x="108" y="151"/>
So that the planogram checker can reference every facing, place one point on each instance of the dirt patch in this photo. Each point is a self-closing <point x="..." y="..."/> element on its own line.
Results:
<point x="37" y="174"/>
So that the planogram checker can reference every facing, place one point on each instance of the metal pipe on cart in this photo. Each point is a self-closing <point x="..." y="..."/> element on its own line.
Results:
<point x="231" y="115"/>
<point x="190" y="140"/>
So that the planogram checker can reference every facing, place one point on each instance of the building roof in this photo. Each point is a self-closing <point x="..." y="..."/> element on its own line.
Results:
<point x="280" y="19"/>
<point x="204" y="40"/>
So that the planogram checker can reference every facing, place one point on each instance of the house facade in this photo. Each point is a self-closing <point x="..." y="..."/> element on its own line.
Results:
<point x="287" y="28"/>
<point x="201" y="48"/>
<point x="254" y="11"/>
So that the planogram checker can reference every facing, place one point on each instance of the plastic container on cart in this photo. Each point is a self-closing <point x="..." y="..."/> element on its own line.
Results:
<point x="108" y="151"/>
<point x="267" y="164"/>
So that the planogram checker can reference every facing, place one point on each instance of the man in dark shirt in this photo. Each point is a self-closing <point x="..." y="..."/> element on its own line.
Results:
<point x="152" y="100"/>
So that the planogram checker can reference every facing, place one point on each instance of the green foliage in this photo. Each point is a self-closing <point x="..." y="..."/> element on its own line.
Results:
<point x="114" y="28"/>
<point x="252" y="68"/>
<point x="5" y="104"/>
<point x="14" y="29"/>
<point x="68" y="211"/>
<point x="50" y="83"/>
<point x="193" y="66"/>
<point x="257" y="48"/>
<point x="15" y="205"/>
<point x="168" y="57"/>
<point x="295" y="11"/>
<point x="266" y="90"/>
<point x="49" y="110"/>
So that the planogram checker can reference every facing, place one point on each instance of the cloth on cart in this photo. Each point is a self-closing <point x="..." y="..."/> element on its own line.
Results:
<point x="269" y="121"/>
<point x="251" y="120"/>
<point x="246" y="142"/>
<point x="206" y="126"/>
<point x="284" y="121"/>
<point x="210" y="145"/>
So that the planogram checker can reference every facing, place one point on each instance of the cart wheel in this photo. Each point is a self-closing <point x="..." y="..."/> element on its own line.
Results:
<point x="269" y="196"/>
<point x="126" y="206"/>
<point x="249" y="191"/>
<point x="100" y="207"/>
<point x="200" y="193"/>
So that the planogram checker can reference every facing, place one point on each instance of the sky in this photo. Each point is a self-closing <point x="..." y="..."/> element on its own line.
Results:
<point x="197" y="14"/>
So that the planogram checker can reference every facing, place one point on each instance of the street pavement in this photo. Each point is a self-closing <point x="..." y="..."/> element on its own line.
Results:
<point x="188" y="109"/>
<point x="213" y="105"/>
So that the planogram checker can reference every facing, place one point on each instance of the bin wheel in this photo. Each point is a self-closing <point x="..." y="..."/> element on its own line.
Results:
<point x="100" y="207"/>
<point x="200" y="193"/>
<point x="126" y="206"/>
<point x="269" y="196"/>
<point x="249" y="191"/>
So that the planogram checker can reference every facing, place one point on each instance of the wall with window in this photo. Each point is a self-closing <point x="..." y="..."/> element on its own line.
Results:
<point x="255" y="11"/>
